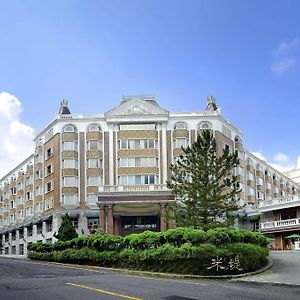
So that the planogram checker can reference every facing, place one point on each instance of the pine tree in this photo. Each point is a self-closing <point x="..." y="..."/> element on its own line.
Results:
<point x="66" y="230"/>
<point x="205" y="185"/>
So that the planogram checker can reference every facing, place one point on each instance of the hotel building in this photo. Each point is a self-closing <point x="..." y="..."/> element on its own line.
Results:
<point x="109" y="171"/>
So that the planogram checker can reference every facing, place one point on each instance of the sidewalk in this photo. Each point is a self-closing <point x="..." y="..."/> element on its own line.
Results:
<point x="285" y="270"/>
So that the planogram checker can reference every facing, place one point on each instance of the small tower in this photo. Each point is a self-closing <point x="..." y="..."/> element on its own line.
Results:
<point x="211" y="104"/>
<point x="64" y="109"/>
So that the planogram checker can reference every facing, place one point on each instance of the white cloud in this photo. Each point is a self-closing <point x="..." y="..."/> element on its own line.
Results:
<point x="279" y="67"/>
<point x="286" y="46"/>
<point x="281" y="157"/>
<point x="259" y="155"/>
<point x="283" y="58"/>
<point x="16" y="137"/>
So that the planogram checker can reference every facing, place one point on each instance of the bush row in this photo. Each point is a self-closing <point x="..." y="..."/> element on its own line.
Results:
<point x="206" y="259"/>
<point x="177" y="237"/>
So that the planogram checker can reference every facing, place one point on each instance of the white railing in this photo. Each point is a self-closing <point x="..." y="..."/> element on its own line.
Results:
<point x="281" y="223"/>
<point x="278" y="201"/>
<point x="132" y="188"/>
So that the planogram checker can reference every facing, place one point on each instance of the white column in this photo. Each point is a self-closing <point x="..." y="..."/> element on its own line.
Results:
<point x="164" y="152"/>
<point x="111" y="154"/>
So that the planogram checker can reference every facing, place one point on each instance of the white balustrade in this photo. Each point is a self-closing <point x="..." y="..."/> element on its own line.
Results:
<point x="132" y="188"/>
<point x="281" y="223"/>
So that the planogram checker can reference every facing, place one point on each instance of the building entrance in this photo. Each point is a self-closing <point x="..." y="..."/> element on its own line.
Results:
<point x="137" y="224"/>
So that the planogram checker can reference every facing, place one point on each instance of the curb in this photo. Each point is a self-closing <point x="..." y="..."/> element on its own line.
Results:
<point x="169" y="275"/>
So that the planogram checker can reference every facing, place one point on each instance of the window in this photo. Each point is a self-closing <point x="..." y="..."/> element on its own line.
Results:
<point x="94" y="163"/>
<point x="250" y="176"/>
<point x="137" y="179"/>
<point x="92" y="223"/>
<point x="21" y="233"/>
<point x="20" y="186"/>
<point x="240" y="154"/>
<point x="70" y="199"/>
<point x="49" y="153"/>
<point x="239" y="171"/>
<point x="39" y="190"/>
<point x="29" y="231"/>
<point x="70" y="163"/>
<point x="276" y="190"/>
<point x="28" y="195"/>
<point x="49" y="226"/>
<point x="94" y="145"/>
<point x="92" y="199"/>
<point x="138" y="162"/>
<point x="48" y="170"/>
<point x="268" y="185"/>
<point x="70" y="128"/>
<point x="180" y="125"/>
<point x="21" y="249"/>
<point x="39" y="174"/>
<point x="260" y="195"/>
<point x="28" y="180"/>
<point x="39" y="207"/>
<point x="20" y="214"/>
<point x="94" y="180"/>
<point x="94" y="127"/>
<point x="75" y="222"/>
<point x="70" y="146"/>
<point x="49" y="186"/>
<point x="39" y="228"/>
<point x="180" y="142"/>
<point x="48" y="203"/>
<point x="13" y="191"/>
<point x="28" y="211"/>
<point x="204" y="125"/>
<point x="137" y="144"/>
<point x="12" y="204"/>
<point x="70" y="181"/>
<point x="259" y="181"/>
<point x="250" y="191"/>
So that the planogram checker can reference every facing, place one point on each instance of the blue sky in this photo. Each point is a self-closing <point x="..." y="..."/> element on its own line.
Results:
<point x="245" y="53"/>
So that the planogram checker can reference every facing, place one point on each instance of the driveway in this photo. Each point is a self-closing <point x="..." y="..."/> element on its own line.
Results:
<point x="285" y="270"/>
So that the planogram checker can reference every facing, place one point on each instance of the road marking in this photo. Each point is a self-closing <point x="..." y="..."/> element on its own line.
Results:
<point x="103" y="291"/>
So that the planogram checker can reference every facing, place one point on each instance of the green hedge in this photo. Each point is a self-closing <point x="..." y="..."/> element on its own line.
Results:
<point x="182" y="250"/>
<point x="186" y="259"/>
<point x="149" y="240"/>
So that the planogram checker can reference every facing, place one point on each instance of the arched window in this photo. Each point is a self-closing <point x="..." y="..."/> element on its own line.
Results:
<point x="70" y="128"/>
<point x="94" y="127"/>
<point x="259" y="168"/>
<point x="204" y="125"/>
<point x="238" y="139"/>
<point x="249" y="161"/>
<point x="180" y="125"/>
<point x="39" y="143"/>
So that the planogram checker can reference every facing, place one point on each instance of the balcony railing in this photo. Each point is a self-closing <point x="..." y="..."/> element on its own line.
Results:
<point x="132" y="188"/>
<point x="290" y="201"/>
<point x="281" y="223"/>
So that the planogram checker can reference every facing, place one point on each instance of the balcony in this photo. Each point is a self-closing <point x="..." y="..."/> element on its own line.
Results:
<point x="282" y="224"/>
<point x="133" y="188"/>
<point x="279" y="203"/>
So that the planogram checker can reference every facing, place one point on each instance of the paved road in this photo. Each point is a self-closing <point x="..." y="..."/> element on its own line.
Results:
<point x="23" y="279"/>
<point x="285" y="270"/>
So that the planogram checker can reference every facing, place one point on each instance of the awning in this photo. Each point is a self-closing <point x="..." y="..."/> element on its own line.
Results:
<point x="46" y="218"/>
<point x="92" y="214"/>
<point x="293" y="236"/>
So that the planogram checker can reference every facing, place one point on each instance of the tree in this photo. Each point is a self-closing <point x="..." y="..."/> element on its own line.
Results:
<point x="66" y="230"/>
<point x="205" y="185"/>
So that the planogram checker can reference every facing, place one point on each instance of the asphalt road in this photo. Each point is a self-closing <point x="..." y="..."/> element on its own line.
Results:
<point x="24" y="279"/>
